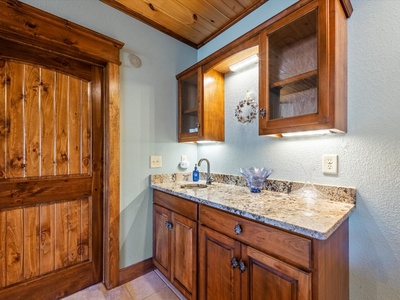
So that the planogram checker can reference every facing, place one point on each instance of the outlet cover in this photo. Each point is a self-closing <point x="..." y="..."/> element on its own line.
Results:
<point x="330" y="164"/>
<point x="155" y="161"/>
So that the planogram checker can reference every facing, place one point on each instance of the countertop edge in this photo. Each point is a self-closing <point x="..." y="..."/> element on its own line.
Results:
<point x="262" y="219"/>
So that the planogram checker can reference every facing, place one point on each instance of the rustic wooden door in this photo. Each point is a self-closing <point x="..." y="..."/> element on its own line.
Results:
<point x="51" y="145"/>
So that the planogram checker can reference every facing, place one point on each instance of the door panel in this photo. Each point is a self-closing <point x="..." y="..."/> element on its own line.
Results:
<point x="268" y="278"/>
<point x="161" y="240"/>
<point x="218" y="279"/>
<point x="50" y="195"/>
<point x="184" y="254"/>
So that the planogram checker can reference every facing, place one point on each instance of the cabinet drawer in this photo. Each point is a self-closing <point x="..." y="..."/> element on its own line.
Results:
<point x="286" y="246"/>
<point x="179" y="205"/>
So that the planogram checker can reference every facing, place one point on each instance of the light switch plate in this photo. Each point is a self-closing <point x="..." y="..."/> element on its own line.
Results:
<point x="155" y="161"/>
<point x="330" y="164"/>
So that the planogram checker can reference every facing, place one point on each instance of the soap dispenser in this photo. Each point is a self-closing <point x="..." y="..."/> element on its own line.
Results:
<point x="196" y="174"/>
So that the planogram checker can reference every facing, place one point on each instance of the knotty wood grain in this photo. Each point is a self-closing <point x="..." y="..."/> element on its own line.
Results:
<point x="24" y="23"/>
<point x="47" y="238"/>
<point x="3" y="237"/>
<point x="31" y="242"/>
<point x="31" y="119"/>
<point x="15" y="108"/>
<point x="85" y="243"/>
<point x="3" y="119"/>
<point x="62" y="112"/>
<point x="32" y="36"/>
<point x="74" y="235"/>
<point x="22" y="193"/>
<point x="86" y="126"/>
<point x="47" y="111"/>
<point x="14" y="246"/>
<point x="74" y="125"/>
<point x="61" y="240"/>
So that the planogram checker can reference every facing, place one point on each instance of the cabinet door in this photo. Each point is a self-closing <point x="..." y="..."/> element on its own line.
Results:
<point x="162" y="239"/>
<point x="267" y="278"/>
<point x="297" y="80"/>
<point x="184" y="255"/>
<point x="218" y="278"/>
<point x="190" y="94"/>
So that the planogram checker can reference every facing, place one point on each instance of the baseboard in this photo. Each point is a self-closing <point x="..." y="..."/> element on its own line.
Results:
<point x="134" y="271"/>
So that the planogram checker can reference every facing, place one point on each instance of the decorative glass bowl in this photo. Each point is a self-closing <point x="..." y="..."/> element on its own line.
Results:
<point x="256" y="177"/>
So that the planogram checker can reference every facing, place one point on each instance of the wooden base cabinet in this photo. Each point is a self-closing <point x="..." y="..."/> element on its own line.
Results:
<point x="175" y="241"/>
<point x="242" y="259"/>
<point x="232" y="270"/>
<point x="208" y="253"/>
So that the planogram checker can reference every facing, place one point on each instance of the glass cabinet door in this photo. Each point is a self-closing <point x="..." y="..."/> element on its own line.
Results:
<point x="293" y="68"/>
<point x="188" y="105"/>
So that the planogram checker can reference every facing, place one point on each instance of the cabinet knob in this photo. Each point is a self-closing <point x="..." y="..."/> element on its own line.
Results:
<point x="242" y="266"/>
<point x="234" y="263"/>
<point x="263" y="113"/>
<point x="238" y="229"/>
<point x="169" y="225"/>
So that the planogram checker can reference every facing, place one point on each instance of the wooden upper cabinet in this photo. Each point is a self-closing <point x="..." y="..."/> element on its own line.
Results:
<point x="201" y="106"/>
<point x="303" y="70"/>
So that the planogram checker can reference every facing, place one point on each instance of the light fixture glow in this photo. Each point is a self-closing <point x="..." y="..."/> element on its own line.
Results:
<point x="309" y="133"/>
<point x="244" y="63"/>
<point x="207" y="142"/>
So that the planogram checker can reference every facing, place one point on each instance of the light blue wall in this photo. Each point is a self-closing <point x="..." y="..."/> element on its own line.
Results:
<point x="368" y="154"/>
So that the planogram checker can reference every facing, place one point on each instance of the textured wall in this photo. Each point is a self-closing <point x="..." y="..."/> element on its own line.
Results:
<point x="369" y="156"/>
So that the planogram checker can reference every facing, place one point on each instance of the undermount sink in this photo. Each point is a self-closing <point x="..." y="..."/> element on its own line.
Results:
<point x="193" y="185"/>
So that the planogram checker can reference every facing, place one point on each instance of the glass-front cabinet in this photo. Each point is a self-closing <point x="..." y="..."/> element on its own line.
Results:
<point x="201" y="105"/>
<point x="303" y="71"/>
<point x="190" y="91"/>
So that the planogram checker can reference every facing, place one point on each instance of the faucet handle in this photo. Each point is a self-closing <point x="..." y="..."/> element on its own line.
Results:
<point x="210" y="179"/>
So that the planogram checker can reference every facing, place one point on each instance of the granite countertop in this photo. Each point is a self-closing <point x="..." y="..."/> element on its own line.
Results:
<point x="313" y="217"/>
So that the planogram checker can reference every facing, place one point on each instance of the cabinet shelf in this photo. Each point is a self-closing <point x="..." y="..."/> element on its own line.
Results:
<point x="296" y="83"/>
<point x="192" y="111"/>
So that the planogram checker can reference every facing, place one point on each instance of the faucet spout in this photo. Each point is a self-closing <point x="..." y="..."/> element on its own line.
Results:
<point x="209" y="178"/>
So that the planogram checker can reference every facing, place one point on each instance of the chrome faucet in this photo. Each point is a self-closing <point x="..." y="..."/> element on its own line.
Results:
<point x="209" y="179"/>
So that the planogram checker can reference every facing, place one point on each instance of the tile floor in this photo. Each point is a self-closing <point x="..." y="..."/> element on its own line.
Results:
<point x="152" y="286"/>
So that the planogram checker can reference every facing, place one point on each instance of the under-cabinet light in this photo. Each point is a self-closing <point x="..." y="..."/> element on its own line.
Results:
<point x="310" y="133"/>
<point x="244" y="63"/>
<point x="207" y="142"/>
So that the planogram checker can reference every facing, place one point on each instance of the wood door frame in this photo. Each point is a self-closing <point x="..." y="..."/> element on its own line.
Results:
<point x="63" y="45"/>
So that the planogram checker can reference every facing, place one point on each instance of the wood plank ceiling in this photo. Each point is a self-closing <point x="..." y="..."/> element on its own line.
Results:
<point x="194" y="22"/>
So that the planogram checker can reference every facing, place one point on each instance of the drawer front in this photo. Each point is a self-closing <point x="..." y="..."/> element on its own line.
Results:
<point x="286" y="246"/>
<point x="179" y="205"/>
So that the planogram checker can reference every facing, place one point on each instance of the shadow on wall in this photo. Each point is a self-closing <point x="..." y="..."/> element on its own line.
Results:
<point x="136" y="230"/>
<point x="369" y="241"/>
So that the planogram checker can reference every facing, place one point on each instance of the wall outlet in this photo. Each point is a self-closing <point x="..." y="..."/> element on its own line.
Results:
<point x="330" y="164"/>
<point x="155" y="161"/>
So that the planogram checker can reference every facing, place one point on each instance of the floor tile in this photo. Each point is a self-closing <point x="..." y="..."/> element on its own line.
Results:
<point x="93" y="292"/>
<point x="144" y="286"/>
<point x="120" y="293"/>
<point x="163" y="294"/>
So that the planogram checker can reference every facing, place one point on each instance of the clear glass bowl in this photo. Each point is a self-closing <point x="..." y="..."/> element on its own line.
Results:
<point x="256" y="177"/>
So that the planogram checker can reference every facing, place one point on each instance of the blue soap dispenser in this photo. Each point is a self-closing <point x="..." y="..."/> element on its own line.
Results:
<point x="196" y="174"/>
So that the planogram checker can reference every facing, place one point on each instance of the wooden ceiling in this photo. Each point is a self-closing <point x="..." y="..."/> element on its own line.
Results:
<point x="194" y="22"/>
